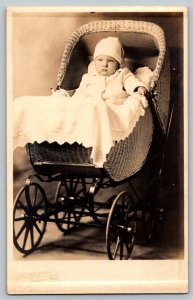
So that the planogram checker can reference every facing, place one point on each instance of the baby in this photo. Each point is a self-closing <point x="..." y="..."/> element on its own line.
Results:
<point x="105" y="78"/>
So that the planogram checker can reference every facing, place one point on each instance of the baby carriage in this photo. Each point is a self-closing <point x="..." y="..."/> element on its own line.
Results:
<point x="79" y="181"/>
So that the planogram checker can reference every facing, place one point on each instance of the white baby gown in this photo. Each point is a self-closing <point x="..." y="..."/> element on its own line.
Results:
<point x="90" y="122"/>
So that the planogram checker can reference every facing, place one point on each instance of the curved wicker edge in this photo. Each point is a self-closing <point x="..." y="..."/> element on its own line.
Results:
<point x="116" y="25"/>
<point x="127" y="157"/>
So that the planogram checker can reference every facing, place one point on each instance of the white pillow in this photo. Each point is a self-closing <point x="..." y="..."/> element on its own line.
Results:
<point x="145" y="75"/>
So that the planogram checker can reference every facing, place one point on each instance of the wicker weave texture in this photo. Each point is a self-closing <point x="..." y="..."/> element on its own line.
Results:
<point x="162" y="89"/>
<point x="113" y="26"/>
<point x="128" y="156"/>
<point x="55" y="153"/>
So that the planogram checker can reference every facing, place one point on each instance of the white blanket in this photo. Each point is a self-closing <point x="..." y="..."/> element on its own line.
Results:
<point x="92" y="123"/>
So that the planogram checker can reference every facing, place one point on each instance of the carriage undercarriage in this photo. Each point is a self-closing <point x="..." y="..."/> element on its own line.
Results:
<point x="75" y="203"/>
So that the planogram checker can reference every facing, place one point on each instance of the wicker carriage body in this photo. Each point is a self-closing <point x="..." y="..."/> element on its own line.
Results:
<point x="144" y="45"/>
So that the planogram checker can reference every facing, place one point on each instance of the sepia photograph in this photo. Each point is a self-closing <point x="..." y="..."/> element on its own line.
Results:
<point x="97" y="102"/>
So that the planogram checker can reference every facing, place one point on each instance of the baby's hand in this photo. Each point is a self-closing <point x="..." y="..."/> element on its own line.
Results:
<point x="142" y="91"/>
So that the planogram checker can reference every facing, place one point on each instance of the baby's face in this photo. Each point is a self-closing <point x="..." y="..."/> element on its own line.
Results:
<point x="105" y="65"/>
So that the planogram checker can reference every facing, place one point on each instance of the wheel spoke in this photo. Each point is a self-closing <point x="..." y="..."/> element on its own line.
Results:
<point x="37" y="228"/>
<point x="34" y="197"/>
<point x="75" y="185"/>
<point x="127" y="247"/>
<point x="121" y="249"/>
<point x="22" y="206"/>
<point x="32" y="236"/>
<point x="69" y="220"/>
<point x="28" y="201"/>
<point x="39" y="204"/>
<point x="116" y="247"/>
<point x="20" y="219"/>
<point x="21" y="230"/>
<point x="25" y="237"/>
<point x="65" y="215"/>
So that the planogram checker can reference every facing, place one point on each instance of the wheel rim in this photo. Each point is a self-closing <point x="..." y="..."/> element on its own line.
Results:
<point x="29" y="223"/>
<point x="70" y="198"/>
<point x="121" y="227"/>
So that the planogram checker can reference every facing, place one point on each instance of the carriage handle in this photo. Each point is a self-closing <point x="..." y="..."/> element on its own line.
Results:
<point x="116" y="26"/>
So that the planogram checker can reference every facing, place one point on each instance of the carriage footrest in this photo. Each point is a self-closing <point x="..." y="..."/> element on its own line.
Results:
<point x="70" y="160"/>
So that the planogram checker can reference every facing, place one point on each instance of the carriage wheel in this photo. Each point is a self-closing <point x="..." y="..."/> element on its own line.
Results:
<point x="121" y="227"/>
<point x="28" y="222"/>
<point x="71" y="200"/>
<point x="153" y="214"/>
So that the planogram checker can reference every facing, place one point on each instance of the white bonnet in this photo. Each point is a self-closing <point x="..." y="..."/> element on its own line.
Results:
<point x="110" y="46"/>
